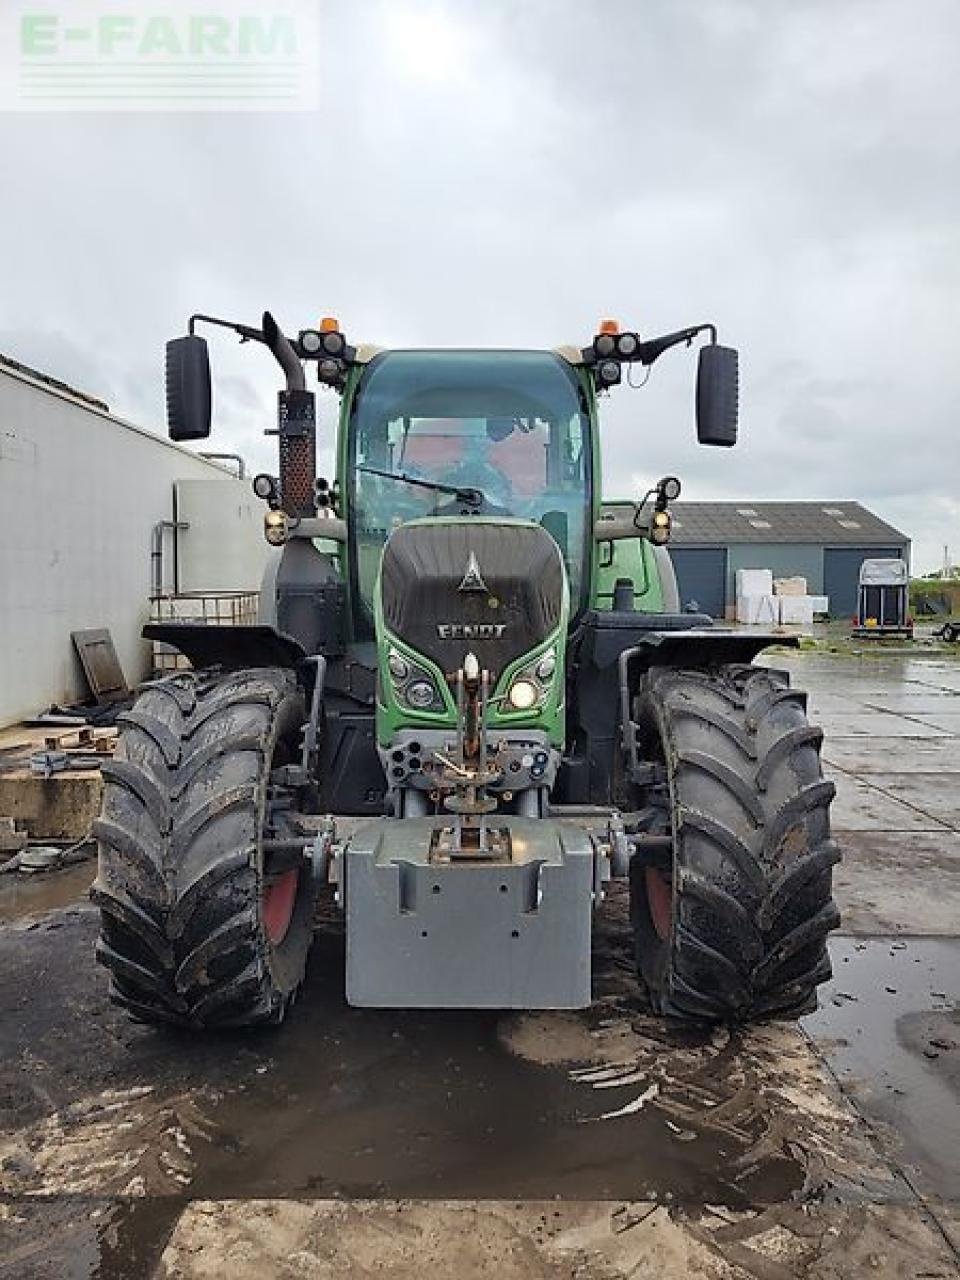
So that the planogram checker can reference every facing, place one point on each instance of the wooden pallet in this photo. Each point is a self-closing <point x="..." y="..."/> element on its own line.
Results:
<point x="85" y="739"/>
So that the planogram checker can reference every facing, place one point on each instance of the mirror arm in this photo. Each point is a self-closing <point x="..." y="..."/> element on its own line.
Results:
<point x="247" y="334"/>
<point x="270" y="335"/>
<point x="649" y="351"/>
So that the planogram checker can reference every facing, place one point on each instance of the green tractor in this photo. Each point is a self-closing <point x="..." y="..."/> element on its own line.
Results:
<point x="470" y="700"/>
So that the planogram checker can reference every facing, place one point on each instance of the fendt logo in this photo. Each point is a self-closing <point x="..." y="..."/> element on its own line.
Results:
<point x="472" y="578"/>
<point x="471" y="630"/>
<point x="173" y="55"/>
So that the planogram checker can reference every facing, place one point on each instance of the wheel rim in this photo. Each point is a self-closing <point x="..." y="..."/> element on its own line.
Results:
<point x="276" y="906"/>
<point x="659" y="887"/>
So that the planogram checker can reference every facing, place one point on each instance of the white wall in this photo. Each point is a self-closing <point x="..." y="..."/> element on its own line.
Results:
<point x="80" y="493"/>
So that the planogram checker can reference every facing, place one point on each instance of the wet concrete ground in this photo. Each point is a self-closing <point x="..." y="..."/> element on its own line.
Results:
<point x="594" y="1145"/>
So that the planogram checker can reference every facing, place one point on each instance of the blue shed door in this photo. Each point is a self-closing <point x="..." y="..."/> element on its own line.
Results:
<point x="702" y="576"/>
<point x="841" y="574"/>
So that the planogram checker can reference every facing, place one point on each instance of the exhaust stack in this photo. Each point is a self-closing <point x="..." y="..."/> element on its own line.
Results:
<point x="296" y="427"/>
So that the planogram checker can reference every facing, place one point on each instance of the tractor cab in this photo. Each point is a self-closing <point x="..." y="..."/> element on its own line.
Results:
<point x="462" y="434"/>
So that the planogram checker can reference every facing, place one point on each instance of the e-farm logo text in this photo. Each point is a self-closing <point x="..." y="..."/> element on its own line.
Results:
<point x="181" y="55"/>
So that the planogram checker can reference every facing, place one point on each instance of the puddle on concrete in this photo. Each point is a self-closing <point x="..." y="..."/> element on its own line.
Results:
<point x="347" y="1103"/>
<point x="84" y="1239"/>
<point x="358" y="1102"/>
<point x="28" y="895"/>
<point x="889" y="1025"/>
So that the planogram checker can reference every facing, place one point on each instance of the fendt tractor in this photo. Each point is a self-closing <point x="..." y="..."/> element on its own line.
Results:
<point x="471" y="699"/>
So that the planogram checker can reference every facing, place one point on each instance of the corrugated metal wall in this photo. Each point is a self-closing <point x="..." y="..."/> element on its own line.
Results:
<point x="701" y="575"/>
<point x="80" y="493"/>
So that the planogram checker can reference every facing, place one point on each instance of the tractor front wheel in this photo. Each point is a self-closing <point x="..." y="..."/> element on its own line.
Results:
<point x="205" y="921"/>
<point x="732" y="924"/>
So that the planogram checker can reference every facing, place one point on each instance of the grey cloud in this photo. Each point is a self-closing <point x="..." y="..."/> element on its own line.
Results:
<point x="507" y="173"/>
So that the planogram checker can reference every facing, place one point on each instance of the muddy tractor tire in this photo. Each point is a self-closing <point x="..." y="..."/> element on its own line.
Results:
<point x="731" y="923"/>
<point x="200" y="925"/>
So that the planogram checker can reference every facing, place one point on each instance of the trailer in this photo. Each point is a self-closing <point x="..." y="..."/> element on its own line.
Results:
<point x="883" y="600"/>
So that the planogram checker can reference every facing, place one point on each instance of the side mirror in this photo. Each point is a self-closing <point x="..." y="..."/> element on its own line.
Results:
<point x="188" y="389"/>
<point x="718" y="384"/>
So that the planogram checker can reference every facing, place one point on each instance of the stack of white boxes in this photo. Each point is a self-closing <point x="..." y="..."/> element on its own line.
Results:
<point x="756" y="602"/>
<point x="796" y="607"/>
<point x="763" y="601"/>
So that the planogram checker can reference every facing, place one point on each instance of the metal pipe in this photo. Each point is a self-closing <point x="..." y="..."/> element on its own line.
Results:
<point x="156" y="554"/>
<point x="284" y="353"/>
<point x="331" y="527"/>
<point x="580" y="811"/>
<point x="228" y="457"/>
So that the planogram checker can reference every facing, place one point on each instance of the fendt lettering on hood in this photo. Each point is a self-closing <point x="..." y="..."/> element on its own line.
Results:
<point x="471" y="630"/>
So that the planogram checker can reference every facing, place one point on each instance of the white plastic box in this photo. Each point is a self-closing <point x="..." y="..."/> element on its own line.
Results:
<point x="758" y="610"/>
<point x="754" y="582"/>
<point x="796" y="611"/>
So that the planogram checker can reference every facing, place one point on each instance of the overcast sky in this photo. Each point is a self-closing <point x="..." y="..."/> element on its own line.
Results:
<point x="506" y="173"/>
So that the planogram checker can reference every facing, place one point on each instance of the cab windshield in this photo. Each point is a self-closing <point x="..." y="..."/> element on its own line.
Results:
<point x="511" y="425"/>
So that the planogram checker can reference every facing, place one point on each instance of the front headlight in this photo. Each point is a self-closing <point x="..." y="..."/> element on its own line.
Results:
<point x="524" y="694"/>
<point x="547" y="666"/>
<point x="420" y="694"/>
<point x="399" y="666"/>
<point x="412" y="686"/>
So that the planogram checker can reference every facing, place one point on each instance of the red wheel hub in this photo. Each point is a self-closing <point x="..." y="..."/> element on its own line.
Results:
<point x="276" y="907"/>
<point x="660" y="900"/>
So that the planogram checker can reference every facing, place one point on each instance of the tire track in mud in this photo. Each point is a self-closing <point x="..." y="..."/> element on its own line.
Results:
<point x="762" y="1091"/>
<point x="766" y="1093"/>
<point x="125" y="1142"/>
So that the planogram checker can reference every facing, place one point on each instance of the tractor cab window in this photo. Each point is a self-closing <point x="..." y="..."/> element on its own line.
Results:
<point x="512" y="425"/>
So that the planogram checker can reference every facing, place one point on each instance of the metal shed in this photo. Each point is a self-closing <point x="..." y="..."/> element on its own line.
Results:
<point x="825" y="542"/>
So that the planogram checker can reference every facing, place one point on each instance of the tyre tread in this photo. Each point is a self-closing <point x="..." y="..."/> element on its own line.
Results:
<point x="753" y="856"/>
<point x="178" y="878"/>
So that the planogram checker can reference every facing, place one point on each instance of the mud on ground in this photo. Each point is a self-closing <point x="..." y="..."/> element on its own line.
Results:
<point x="596" y="1145"/>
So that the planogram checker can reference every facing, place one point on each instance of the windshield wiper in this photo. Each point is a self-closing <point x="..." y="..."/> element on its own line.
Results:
<point x="472" y="497"/>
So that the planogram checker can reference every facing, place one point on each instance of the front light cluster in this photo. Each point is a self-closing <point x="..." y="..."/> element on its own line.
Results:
<point x="609" y="349"/>
<point x="330" y="349"/>
<point x="413" y="687"/>
<point x="529" y="688"/>
<point x="660" y="523"/>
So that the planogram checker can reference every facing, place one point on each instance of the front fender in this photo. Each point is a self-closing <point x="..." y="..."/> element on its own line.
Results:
<point x="707" y="648"/>
<point x="229" y="647"/>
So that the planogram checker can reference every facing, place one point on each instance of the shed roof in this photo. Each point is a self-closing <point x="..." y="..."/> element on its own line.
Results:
<point x="17" y="366"/>
<point x="828" y="523"/>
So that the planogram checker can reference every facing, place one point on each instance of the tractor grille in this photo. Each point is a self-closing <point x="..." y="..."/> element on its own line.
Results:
<point x="449" y="587"/>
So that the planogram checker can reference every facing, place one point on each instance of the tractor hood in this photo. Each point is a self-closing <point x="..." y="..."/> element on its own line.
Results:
<point x="493" y="587"/>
